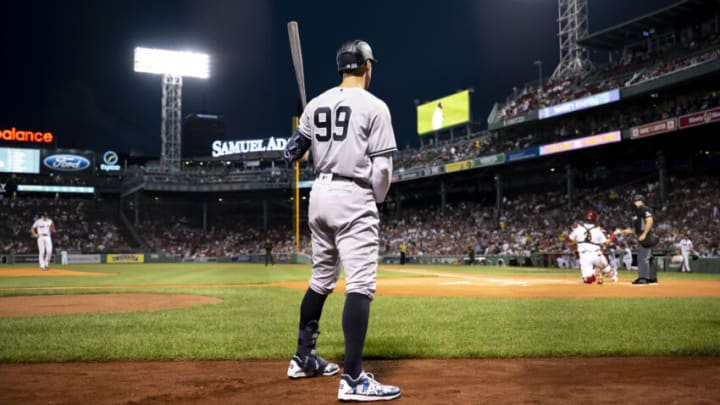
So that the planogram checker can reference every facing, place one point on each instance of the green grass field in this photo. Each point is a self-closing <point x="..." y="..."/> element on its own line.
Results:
<point x="260" y="322"/>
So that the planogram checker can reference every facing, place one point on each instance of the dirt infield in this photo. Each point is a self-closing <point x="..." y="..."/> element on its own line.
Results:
<point x="35" y="272"/>
<point x="444" y="284"/>
<point x="634" y="380"/>
<point x="96" y="303"/>
<point x="637" y="380"/>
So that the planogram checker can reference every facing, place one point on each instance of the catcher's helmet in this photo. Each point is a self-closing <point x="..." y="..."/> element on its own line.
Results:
<point x="591" y="216"/>
<point x="353" y="54"/>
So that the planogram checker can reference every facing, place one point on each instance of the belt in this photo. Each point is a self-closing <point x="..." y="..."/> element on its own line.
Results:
<point x="44" y="234"/>
<point x="337" y="177"/>
<point x="333" y="177"/>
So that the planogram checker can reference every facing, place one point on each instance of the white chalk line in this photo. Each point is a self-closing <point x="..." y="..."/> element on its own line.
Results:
<point x="469" y="279"/>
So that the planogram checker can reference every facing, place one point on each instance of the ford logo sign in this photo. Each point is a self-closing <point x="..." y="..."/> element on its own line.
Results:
<point x="66" y="163"/>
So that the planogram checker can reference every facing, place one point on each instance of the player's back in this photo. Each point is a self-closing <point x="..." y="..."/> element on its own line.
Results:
<point x="347" y="127"/>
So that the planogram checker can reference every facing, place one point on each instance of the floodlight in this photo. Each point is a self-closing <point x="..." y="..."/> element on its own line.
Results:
<point x="176" y="63"/>
<point x="173" y="65"/>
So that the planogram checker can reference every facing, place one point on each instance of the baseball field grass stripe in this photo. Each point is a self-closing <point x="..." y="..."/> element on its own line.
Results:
<point x="260" y="322"/>
<point x="245" y="327"/>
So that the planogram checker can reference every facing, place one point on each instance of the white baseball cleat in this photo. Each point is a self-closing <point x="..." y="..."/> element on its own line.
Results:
<point x="365" y="389"/>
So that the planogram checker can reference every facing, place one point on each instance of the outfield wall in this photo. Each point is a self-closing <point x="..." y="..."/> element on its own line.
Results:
<point x="664" y="263"/>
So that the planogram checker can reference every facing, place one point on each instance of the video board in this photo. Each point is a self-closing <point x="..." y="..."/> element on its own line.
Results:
<point x="443" y="113"/>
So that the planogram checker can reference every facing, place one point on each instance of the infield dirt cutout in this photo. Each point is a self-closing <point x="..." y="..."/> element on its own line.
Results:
<point x="573" y="380"/>
<point x="35" y="272"/>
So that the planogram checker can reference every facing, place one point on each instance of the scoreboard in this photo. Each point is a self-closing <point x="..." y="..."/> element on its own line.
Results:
<point x="17" y="160"/>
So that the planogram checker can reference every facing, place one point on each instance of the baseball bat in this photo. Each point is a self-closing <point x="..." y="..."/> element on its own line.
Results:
<point x="296" y="52"/>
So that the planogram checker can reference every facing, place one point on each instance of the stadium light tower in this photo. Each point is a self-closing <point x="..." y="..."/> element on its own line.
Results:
<point x="173" y="65"/>
<point x="572" y="25"/>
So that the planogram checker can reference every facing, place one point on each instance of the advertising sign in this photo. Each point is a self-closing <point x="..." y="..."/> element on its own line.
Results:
<point x="443" y="113"/>
<point x="491" y="160"/>
<point x="653" y="128"/>
<point x="36" y="188"/>
<point x="700" y="118"/>
<point x="522" y="154"/>
<point x="31" y="258"/>
<point x="458" y="166"/>
<point x="126" y="258"/>
<point x="305" y="183"/>
<point x="580" y="104"/>
<point x="110" y="162"/>
<point x="83" y="258"/>
<point x="224" y="148"/>
<point x="16" y="137"/>
<point x="407" y="175"/>
<point x="418" y="172"/>
<point x="16" y="160"/>
<point x="581" y="143"/>
<point x="67" y="161"/>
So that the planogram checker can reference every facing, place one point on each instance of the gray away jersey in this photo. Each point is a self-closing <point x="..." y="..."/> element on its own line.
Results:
<point x="347" y="127"/>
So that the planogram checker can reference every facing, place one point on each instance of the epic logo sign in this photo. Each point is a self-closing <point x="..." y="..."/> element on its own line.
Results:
<point x="66" y="163"/>
<point x="110" y="162"/>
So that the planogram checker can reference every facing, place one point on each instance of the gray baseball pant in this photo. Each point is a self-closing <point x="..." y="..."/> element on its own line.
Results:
<point x="646" y="268"/>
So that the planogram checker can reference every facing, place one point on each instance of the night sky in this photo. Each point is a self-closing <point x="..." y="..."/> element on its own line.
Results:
<point x="68" y="65"/>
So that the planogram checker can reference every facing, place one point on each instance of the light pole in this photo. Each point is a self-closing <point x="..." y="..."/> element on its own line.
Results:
<point x="539" y="65"/>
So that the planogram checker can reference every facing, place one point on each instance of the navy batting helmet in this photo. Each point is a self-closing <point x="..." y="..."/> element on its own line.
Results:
<point x="353" y="54"/>
<point x="638" y="197"/>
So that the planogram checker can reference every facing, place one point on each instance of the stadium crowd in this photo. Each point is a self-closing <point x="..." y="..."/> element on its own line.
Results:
<point x="213" y="172"/>
<point x="492" y="142"/>
<point x="528" y="223"/>
<point x="532" y="223"/>
<point x="178" y="236"/>
<point x="83" y="225"/>
<point x="633" y="68"/>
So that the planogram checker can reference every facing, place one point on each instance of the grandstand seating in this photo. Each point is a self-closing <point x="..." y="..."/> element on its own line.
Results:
<point x="88" y="225"/>
<point x="635" y="67"/>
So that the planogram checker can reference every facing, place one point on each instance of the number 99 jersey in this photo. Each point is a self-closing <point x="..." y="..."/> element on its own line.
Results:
<point x="347" y="128"/>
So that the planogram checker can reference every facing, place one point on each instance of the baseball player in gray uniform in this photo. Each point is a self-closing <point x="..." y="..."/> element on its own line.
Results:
<point x="41" y="230"/>
<point x="349" y="133"/>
